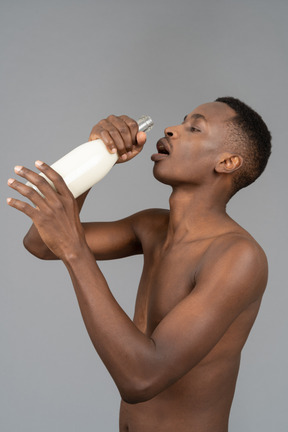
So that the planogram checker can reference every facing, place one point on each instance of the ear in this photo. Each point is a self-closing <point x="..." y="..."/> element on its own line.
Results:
<point x="228" y="163"/>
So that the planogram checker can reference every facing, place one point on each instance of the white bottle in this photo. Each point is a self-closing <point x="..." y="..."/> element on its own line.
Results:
<point x="88" y="163"/>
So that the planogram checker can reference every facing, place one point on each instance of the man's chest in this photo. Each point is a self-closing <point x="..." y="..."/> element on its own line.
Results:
<point x="167" y="279"/>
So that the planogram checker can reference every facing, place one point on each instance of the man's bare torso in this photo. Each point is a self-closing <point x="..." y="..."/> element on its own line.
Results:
<point x="200" y="401"/>
<point x="176" y="365"/>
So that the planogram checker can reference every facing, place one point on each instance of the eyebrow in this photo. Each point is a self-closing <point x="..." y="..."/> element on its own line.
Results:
<point x="196" y="116"/>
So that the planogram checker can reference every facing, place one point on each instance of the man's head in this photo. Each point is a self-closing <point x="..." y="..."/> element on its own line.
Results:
<point x="223" y="142"/>
<point x="248" y="136"/>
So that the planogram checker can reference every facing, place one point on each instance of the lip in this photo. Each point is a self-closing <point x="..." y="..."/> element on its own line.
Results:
<point x="161" y="145"/>
<point x="158" y="156"/>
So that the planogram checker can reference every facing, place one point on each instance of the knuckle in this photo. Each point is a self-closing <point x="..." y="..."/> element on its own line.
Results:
<point x="123" y="130"/>
<point x="48" y="213"/>
<point x="106" y="138"/>
<point x="94" y="134"/>
<point x="59" y="205"/>
<point x="69" y="202"/>
<point x="102" y="123"/>
<point x="126" y="119"/>
<point x="30" y="192"/>
<point x="56" y="177"/>
<point x="41" y="181"/>
<point x="22" y="205"/>
<point x="131" y="123"/>
<point x="113" y="132"/>
<point x="94" y="129"/>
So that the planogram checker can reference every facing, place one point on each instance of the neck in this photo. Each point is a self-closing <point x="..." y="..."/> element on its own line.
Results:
<point x="196" y="212"/>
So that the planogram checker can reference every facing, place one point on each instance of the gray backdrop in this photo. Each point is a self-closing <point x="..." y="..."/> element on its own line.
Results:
<point x="64" y="66"/>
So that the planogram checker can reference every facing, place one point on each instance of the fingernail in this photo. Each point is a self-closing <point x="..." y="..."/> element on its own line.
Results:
<point x="124" y="156"/>
<point x="8" y="200"/>
<point x="10" y="181"/>
<point x="17" y="168"/>
<point x="113" y="150"/>
<point x="38" y="163"/>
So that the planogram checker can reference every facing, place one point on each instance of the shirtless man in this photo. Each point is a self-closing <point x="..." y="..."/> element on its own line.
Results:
<point x="204" y="276"/>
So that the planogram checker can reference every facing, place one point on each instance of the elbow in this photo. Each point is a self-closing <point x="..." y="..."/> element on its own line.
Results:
<point x="146" y="381"/>
<point x="134" y="398"/>
<point x="32" y="249"/>
<point x="138" y="392"/>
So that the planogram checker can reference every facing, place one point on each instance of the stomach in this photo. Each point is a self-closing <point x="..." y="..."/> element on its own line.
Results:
<point x="200" y="401"/>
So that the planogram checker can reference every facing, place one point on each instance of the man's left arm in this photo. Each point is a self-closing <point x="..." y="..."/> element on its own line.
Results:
<point x="141" y="366"/>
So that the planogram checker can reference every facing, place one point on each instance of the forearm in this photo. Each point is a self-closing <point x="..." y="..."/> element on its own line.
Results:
<point x="128" y="354"/>
<point x="33" y="242"/>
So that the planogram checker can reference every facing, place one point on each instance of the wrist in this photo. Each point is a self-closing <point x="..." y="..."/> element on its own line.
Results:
<point x="75" y="254"/>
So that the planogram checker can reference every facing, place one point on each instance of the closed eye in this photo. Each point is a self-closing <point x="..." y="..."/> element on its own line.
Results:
<point x="191" y="128"/>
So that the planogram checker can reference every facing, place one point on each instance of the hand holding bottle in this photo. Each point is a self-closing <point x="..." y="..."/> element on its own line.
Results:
<point x="120" y="135"/>
<point x="55" y="217"/>
<point x="116" y="139"/>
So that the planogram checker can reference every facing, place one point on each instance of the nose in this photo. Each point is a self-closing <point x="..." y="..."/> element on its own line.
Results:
<point x="170" y="131"/>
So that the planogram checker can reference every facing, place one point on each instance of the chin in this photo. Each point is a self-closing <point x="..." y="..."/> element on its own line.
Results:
<point x="162" y="177"/>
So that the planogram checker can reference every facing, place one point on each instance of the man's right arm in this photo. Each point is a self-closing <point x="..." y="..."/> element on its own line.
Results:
<point x="107" y="240"/>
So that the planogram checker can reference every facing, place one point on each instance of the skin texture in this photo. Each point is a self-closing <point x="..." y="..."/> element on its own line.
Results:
<point x="203" y="279"/>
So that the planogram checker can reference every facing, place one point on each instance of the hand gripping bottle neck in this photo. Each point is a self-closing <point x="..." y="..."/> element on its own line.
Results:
<point x="88" y="163"/>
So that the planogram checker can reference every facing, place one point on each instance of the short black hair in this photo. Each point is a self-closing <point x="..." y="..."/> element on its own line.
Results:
<point x="249" y="135"/>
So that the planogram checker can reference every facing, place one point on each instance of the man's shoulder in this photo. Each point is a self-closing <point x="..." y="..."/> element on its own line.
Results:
<point x="236" y="243"/>
<point x="239" y="256"/>
<point x="150" y="225"/>
<point x="151" y="219"/>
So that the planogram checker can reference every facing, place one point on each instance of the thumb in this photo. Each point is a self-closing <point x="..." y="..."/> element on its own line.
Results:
<point x="141" y="138"/>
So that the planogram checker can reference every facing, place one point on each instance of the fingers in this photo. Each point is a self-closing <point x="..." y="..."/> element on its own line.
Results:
<point x="22" y="206"/>
<point x="132" y="125"/>
<point x="119" y="134"/>
<point x="26" y="191"/>
<point x="41" y="183"/>
<point x="52" y="175"/>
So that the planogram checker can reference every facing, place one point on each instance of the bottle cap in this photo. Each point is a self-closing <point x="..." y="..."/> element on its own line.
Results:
<point x="145" y="123"/>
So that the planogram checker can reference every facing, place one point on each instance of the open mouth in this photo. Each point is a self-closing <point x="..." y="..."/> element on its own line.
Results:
<point x="163" y="147"/>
